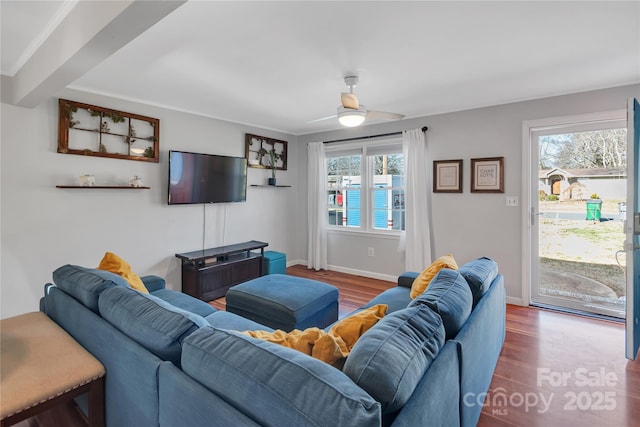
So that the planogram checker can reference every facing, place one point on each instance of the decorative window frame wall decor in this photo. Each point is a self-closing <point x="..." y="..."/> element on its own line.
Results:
<point x="257" y="149"/>
<point x="90" y="130"/>
<point x="447" y="176"/>
<point x="487" y="175"/>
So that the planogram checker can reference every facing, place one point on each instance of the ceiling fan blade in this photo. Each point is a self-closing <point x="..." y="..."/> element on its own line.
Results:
<point x="383" y="115"/>
<point x="333" y="116"/>
<point x="350" y="100"/>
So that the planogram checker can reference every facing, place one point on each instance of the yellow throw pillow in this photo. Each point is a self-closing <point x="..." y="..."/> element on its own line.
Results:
<point x="113" y="263"/>
<point x="351" y="328"/>
<point x="422" y="281"/>
<point x="312" y="341"/>
<point x="331" y="347"/>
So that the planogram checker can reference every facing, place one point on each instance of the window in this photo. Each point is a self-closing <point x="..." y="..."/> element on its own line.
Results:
<point x="378" y="169"/>
<point x="387" y="202"/>
<point x="343" y="184"/>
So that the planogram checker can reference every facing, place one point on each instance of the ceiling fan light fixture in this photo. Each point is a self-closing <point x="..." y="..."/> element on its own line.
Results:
<point x="351" y="118"/>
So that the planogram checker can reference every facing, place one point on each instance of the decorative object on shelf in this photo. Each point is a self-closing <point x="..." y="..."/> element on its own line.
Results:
<point x="136" y="181"/>
<point x="87" y="180"/>
<point x="447" y="176"/>
<point x="263" y="153"/>
<point x="96" y="131"/>
<point x="487" y="175"/>
<point x="273" y="163"/>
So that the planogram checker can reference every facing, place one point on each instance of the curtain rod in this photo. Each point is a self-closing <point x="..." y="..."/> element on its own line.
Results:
<point x="424" y="129"/>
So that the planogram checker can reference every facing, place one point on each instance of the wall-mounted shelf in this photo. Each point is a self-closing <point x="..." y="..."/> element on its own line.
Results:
<point x="277" y="186"/>
<point x="118" y="187"/>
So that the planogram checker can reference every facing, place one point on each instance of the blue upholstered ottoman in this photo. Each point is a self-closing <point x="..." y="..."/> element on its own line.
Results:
<point x="285" y="302"/>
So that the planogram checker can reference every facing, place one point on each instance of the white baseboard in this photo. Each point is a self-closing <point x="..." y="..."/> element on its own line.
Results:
<point x="515" y="301"/>
<point x="296" y="262"/>
<point x="339" y="269"/>
<point x="379" y="276"/>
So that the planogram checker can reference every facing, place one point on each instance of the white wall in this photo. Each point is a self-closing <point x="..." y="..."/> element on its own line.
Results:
<point x="468" y="225"/>
<point x="44" y="227"/>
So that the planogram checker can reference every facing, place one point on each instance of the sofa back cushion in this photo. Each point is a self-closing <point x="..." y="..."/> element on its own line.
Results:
<point x="86" y="284"/>
<point x="151" y="322"/>
<point x="424" y="279"/>
<point x="449" y="296"/>
<point x="389" y="360"/>
<point x="274" y="384"/>
<point x="479" y="274"/>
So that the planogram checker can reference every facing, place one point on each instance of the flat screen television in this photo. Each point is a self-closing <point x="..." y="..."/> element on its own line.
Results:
<point x="206" y="178"/>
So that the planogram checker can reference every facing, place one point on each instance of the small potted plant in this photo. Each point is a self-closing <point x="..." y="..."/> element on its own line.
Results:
<point x="273" y="161"/>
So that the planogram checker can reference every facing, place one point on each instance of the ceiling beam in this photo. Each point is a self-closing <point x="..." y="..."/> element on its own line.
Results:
<point x="90" y="33"/>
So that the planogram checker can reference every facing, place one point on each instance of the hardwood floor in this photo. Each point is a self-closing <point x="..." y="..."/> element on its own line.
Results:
<point x="570" y="369"/>
<point x="600" y="387"/>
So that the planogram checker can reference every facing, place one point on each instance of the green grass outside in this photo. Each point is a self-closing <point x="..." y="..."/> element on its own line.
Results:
<point x="587" y="248"/>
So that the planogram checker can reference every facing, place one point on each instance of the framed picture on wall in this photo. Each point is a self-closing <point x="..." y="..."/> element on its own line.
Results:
<point x="447" y="176"/>
<point x="262" y="151"/>
<point x="487" y="175"/>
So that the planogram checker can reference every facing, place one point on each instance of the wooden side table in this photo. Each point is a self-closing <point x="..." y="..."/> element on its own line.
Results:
<point x="42" y="366"/>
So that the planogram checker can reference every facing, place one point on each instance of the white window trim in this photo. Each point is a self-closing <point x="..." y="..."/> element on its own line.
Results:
<point x="366" y="213"/>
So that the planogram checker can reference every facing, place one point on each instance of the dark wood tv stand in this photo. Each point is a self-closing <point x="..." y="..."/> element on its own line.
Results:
<point x="209" y="273"/>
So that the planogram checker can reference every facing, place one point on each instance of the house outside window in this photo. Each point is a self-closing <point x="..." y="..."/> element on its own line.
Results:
<point x="374" y="167"/>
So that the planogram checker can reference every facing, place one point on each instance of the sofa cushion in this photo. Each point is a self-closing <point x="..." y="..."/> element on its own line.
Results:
<point x="352" y="327"/>
<point x="85" y="284"/>
<point x="424" y="278"/>
<point x="151" y="322"/>
<point x="113" y="263"/>
<point x="389" y="360"/>
<point x="276" y="385"/>
<point x="184" y="301"/>
<point x="153" y="283"/>
<point x="226" y="320"/>
<point x="395" y="299"/>
<point x="479" y="274"/>
<point x="449" y="296"/>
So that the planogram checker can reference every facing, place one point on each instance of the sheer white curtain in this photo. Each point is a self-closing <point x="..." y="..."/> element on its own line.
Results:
<point x="416" y="239"/>
<point x="317" y="207"/>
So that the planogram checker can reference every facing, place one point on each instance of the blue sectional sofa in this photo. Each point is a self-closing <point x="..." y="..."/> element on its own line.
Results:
<point x="173" y="360"/>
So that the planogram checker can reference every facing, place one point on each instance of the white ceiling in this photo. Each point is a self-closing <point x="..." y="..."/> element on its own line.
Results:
<point x="279" y="65"/>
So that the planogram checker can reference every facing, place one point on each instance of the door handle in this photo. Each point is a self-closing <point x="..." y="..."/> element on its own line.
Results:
<point x="534" y="214"/>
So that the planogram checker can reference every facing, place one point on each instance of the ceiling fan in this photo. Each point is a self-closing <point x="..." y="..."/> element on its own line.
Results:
<point x="351" y="113"/>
